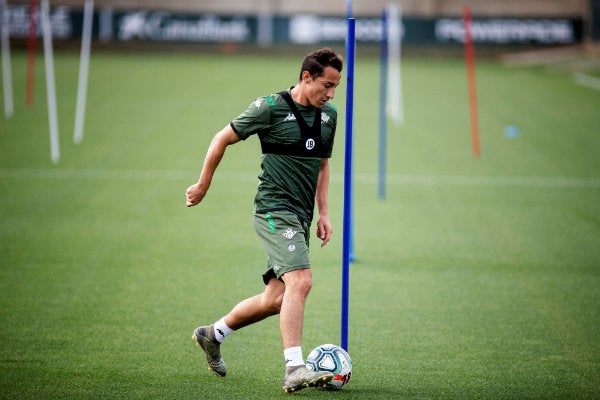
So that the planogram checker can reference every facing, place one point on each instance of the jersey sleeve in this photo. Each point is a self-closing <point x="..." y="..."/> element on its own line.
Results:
<point x="253" y="120"/>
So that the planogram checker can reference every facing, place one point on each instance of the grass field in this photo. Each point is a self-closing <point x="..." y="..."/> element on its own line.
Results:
<point x="474" y="279"/>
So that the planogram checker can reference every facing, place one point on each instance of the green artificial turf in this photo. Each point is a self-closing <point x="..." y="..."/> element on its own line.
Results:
<point x="475" y="278"/>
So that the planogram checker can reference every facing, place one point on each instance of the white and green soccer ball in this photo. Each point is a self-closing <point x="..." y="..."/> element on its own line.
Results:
<point x="332" y="358"/>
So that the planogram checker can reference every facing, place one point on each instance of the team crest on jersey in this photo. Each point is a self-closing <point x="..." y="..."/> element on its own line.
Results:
<point x="259" y="102"/>
<point x="289" y="233"/>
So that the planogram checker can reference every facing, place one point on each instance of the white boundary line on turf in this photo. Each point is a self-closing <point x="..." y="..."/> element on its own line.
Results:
<point x="586" y="80"/>
<point x="473" y="180"/>
<point x="370" y="179"/>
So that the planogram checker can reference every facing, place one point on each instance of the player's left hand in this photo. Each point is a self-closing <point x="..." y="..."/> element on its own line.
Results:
<point x="324" y="229"/>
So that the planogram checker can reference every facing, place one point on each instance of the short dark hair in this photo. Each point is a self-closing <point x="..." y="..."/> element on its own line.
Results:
<point x="316" y="62"/>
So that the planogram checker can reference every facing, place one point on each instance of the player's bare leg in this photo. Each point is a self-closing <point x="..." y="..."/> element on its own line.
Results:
<point x="246" y="312"/>
<point x="257" y="308"/>
<point x="297" y="286"/>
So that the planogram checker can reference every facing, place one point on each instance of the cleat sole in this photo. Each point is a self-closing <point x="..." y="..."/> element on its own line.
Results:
<point x="320" y="382"/>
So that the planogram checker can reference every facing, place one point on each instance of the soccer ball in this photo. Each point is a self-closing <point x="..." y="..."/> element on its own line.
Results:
<point x="332" y="358"/>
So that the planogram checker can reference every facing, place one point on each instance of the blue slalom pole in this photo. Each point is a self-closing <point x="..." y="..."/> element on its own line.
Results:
<point x="346" y="239"/>
<point x="383" y="82"/>
<point x="351" y="200"/>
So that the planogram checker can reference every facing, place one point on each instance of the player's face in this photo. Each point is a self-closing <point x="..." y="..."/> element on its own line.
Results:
<point x="322" y="89"/>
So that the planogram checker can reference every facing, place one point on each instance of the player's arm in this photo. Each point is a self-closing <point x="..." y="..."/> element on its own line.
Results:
<point x="219" y="143"/>
<point x="324" y="229"/>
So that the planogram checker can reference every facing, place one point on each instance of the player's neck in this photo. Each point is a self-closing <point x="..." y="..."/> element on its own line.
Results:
<point x="298" y="96"/>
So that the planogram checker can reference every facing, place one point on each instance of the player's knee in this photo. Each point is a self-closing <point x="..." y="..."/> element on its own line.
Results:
<point x="299" y="281"/>
<point x="305" y="285"/>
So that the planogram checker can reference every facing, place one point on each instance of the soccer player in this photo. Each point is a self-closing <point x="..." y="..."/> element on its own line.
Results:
<point x="296" y="129"/>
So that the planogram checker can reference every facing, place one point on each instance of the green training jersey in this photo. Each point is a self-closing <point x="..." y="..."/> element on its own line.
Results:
<point x="286" y="181"/>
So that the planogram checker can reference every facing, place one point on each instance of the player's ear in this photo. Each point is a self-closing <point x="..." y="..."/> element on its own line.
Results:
<point x="306" y="78"/>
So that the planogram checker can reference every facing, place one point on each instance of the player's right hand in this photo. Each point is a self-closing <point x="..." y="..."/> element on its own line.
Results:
<point x="194" y="195"/>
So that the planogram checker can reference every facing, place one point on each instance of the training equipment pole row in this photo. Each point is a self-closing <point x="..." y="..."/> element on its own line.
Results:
<point x="84" y="63"/>
<point x="31" y="45"/>
<point x="351" y="47"/>
<point x="395" y="104"/>
<point x="470" y="63"/>
<point x="6" y="67"/>
<point x="383" y="82"/>
<point x="50" y="84"/>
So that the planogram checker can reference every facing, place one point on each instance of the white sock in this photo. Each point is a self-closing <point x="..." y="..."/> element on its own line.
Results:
<point x="222" y="330"/>
<point x="293" y="356"/>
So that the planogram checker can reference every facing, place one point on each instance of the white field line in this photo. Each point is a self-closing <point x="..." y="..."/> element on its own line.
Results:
<point x="251" y="177"/>
<point x="585" y="80"/>
<point x="474" y="180"/>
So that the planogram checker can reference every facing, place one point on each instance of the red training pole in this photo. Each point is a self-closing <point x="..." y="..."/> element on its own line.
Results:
<point x="31" y="42"/>
<point x="470" y="63"/>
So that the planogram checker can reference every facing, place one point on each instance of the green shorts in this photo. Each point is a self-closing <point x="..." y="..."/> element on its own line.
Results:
<point x="285" y="239"/>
